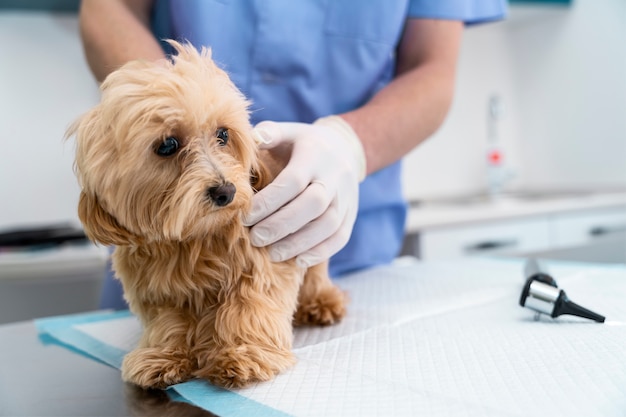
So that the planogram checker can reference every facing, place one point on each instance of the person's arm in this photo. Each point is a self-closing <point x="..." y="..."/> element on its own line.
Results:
<point x="115" y="32"/>
<point x="309" y="210"/>
<point x="415" y="103"/>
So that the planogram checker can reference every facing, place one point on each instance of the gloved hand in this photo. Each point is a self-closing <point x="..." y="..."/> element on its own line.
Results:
<point x="308" y="211"/>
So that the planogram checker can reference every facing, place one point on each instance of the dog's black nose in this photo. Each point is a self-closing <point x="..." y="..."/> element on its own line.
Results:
<point x="222" y="195"/>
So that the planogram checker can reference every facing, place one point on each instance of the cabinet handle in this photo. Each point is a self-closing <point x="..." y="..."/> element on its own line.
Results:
<point x="490" y="245"/>
<point x="606" y="230"/>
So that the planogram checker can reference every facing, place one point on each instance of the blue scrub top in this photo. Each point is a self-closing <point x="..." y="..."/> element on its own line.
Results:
<point x="301" y="60"/>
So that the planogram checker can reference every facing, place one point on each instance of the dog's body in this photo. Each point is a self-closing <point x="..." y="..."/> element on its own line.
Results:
<point x="168" y="167"/>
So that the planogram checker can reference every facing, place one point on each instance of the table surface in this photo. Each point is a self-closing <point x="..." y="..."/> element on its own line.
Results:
<point x="38" y="379"/>
<point x="460" y="342"/>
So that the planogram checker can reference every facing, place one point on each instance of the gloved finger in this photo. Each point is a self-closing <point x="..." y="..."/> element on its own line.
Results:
<point x="290" y="182"/>
<point x="270" y="134"/>
<point x="328" y="247"/>
<point x="309" y="236"/>
<point x="276" y="194"/>
<point x="306" y="207"/>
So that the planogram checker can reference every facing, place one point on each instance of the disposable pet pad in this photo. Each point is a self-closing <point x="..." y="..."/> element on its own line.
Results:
<point x="437" y="339"/>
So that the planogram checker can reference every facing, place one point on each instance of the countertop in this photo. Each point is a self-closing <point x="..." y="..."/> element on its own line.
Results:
<point x="40" y="379"/>
<point x="479" y="207"/>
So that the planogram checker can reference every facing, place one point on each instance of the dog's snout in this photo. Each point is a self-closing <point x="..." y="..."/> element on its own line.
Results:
<point x="222" y="195"/>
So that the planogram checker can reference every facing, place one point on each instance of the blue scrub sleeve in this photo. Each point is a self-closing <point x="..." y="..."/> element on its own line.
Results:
<point x="468" y="11"/>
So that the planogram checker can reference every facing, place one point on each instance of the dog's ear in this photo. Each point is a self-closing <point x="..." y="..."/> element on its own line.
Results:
<point x="267" y="166"/>
<point x="99" y="225"/>
<point x="260" y="176"/>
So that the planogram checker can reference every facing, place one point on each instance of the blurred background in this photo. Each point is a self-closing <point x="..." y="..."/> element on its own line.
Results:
<point x="531" y="160"/>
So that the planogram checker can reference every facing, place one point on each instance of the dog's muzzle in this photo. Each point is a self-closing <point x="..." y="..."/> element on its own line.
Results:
<point x="222" y="195"/>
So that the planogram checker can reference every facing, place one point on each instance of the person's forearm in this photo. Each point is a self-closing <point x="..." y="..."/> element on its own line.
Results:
<point x="413" y="105"/>
<point x="115" y="32"/>
<point x="402" y="115"/>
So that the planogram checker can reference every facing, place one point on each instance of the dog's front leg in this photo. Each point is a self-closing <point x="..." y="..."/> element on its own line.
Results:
<point x="163" y="355"/>
<point x="252" y="341"/>
<point x="320" y="302"/>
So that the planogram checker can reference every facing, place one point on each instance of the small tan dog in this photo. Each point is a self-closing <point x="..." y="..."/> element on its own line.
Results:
<point x="168" y="166"/>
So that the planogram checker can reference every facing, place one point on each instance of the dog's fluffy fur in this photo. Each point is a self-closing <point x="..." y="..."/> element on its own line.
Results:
<point x="212" y="305"/>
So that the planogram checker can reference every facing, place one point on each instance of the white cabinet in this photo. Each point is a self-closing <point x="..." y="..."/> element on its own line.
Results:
<point x="50" y="281"/>
<point x="499" y="237"/>
<point x="582" y="228"/>
<point x="517" y="236"/>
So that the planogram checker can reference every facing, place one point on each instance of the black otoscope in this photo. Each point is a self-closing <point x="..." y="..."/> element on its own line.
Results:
<point x="542" y="295"/>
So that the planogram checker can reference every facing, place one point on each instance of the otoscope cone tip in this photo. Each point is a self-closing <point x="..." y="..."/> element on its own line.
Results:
<point x="580" y="311"/>
<point x="566" y="306"/>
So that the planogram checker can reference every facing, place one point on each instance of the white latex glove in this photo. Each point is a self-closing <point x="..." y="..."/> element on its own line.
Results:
<point x="308" y="211"/>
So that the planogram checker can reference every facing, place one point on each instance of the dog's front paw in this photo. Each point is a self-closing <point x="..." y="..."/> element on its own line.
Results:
<point x="156" y="368"/>
<point x="326" y="307"/>
<point x="238" y="366"/>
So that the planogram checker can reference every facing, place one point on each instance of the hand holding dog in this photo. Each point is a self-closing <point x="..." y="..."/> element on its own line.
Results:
<point x="309" y="210"/>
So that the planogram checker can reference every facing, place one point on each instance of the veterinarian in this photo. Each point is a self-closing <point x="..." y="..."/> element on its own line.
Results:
<point x="352" y="85"/>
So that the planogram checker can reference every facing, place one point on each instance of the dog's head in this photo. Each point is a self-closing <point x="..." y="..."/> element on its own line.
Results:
<point x="167" y="154"/>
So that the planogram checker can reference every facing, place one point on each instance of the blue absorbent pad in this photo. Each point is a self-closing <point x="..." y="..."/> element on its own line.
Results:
<point x="108" y="336"/>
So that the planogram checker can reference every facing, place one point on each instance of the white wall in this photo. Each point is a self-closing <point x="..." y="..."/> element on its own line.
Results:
<point x="44" y="86"/>
<point x="561" y="72"/>
<point x="571" y="80"/>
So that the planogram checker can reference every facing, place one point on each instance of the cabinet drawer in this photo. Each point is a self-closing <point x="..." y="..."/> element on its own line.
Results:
<point x="583" y="228"/>
<point x="486" y="239"/>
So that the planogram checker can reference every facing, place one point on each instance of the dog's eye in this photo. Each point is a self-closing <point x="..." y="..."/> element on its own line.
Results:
<point x="168" y="147"/>
<point x="222" y="136"/>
